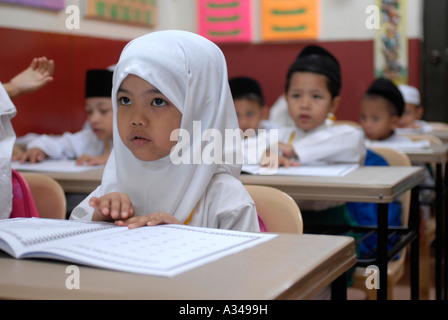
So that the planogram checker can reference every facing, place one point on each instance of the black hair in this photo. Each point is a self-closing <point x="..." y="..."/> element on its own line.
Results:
<point x="246" y="88"/>
<point x="386" y="89"/>
<point x="317" y="60"/>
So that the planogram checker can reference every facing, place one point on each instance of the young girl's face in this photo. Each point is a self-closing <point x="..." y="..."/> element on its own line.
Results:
<point x="309" y="100"/>
<point x="376" y="119"/>
<point x="145" y="119"/>
<point x="100" y="117"/>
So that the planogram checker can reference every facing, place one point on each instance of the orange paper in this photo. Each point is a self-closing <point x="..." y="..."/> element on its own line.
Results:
<point x="289" y="19"/>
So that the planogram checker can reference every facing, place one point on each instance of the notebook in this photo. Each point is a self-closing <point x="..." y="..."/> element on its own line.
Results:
<point x="163" y="250"/>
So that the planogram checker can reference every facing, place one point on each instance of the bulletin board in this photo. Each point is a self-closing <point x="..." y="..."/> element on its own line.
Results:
<point x="136" y="12"/>
<point x="391" y="43"/>
<point x="289" y="20"/>
<point x="225" y="20"/>
<point x="44" y="4"/>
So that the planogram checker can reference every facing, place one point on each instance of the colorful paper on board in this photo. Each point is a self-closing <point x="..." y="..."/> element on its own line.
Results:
<point x="45" y="4"/>
<point x="225" y="20"/>
<point x="142" y="12"/>
<point x="289" y="20"/>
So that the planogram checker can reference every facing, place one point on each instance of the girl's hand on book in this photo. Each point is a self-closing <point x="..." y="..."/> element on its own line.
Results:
<point x="151" y="219"/>
<point x="112" y="206"/>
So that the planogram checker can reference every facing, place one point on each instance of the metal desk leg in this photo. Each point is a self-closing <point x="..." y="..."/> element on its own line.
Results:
<point x="339" y="288"/>
<point x="414" y="225"/>
<point x="439" y="242"/>
<point x="443" y="203"/>
<point x="382" y="241"/>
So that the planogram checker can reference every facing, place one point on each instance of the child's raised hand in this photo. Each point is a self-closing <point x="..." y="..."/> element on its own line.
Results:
<point x="112" y="206"/>
<point x="151" y="219"/>
<point x="36" y="76"/>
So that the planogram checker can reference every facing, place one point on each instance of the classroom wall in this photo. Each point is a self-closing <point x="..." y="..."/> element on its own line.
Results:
<point x="28" y="32"/>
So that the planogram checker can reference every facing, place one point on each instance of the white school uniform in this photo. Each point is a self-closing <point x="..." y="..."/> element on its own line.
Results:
<point x="7" y="139"/>
<point x="421" y="127"/>
<point x="70" y="145"/>
<point x="191" y="72"/>
<point x="327" y="143"/>
<point x="255" y="146"/>
<point x="396" y="141"/>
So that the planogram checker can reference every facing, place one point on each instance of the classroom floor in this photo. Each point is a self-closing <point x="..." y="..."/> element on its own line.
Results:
<point x="402" y="291"/>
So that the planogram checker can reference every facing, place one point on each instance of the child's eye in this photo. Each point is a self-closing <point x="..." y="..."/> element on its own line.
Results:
<point x="316" y="96"/>
<point x="159" y="102"/>
<point x="105" y="111"/>
<point x="124" y="101"/>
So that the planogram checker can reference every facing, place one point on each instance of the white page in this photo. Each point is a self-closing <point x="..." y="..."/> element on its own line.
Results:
<point x="164" y="250"/>
<point x="327" y="170"/>
<point x="53" y="166"/>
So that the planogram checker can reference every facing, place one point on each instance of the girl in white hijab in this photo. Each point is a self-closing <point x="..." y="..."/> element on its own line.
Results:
<point x="166" y="85"/>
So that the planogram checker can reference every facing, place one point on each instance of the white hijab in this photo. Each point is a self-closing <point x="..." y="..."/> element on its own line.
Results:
<point x="191" y="72"/>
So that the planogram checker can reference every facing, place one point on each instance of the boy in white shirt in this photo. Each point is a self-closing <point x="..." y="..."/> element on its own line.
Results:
<point x="90" y="146"/>
<point x="381" y="110"/>
<point x="251" y="111"/>
<point x="411" y="120"/>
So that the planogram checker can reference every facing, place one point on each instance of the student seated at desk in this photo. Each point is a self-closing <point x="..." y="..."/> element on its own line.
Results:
<point x="381" y="109"/>
<point x="411" y="120"/>
<point x="312" y="91"/>
<point x="366" y="214"/>
<point x="166" y="82"/>
<point x="90" y="146"/>
<point x="36" y="76"/>
<point x="251" y="111"/>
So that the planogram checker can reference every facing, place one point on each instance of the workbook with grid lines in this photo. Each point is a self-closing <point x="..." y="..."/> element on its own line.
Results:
<point x="164" y="250"/>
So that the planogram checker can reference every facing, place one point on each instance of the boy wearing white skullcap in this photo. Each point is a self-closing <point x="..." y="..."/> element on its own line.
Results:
<point x="411" y="121"/>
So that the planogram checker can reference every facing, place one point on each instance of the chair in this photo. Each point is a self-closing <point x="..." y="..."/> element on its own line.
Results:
<point x="48" y="195"/>
<point x="396" y="268"/>
<point x="278" y="210"/>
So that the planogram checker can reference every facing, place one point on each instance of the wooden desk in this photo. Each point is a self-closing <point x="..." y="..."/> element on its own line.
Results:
<point x="366" y="184"/>
<point x="287" y="267"/>
<point x="442" y="135"/>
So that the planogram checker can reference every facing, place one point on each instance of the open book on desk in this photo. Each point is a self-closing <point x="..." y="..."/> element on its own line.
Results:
<point x="164" y="250"/>
<point x="51" y="165"/>
<point x="318" y="170"/>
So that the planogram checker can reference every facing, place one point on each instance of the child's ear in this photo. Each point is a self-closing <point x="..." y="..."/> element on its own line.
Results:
<point x="394" y="122"/>
<point x="419" y="112"/>
<point x="335" y="104"/>
<point x="265" y="112"/>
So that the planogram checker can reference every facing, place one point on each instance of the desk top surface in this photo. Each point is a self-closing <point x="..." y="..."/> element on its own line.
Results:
<point x="289" y="266"/>
<point x="367" y="184"/>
